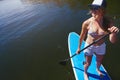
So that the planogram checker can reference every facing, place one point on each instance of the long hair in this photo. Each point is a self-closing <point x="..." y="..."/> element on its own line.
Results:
<point x="106" y="20"/>
<point x="106" y="23"/>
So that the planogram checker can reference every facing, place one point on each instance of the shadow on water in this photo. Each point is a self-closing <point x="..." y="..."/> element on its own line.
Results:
<point x="33" y="38"/>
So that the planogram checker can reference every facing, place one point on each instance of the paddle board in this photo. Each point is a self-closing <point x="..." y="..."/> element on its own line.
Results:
<point x="77" y="61"/>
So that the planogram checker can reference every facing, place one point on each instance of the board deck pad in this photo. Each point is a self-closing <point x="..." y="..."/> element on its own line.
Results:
<point x="77" y="61"/>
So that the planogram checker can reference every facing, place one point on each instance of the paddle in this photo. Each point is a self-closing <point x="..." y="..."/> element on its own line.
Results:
<point x="63" y="62"/>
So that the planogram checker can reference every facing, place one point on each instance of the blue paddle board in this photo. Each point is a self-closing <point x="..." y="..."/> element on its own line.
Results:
<point x="77" y="61"/>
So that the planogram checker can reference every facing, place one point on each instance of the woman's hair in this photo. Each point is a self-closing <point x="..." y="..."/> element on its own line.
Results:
<point x="106" y="20"/>
<point x="106" y="23"/>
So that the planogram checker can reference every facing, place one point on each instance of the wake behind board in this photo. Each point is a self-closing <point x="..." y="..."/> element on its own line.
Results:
<point x="77" y="61"/>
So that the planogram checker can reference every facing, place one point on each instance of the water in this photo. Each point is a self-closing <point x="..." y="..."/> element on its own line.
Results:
<point x="33" y="38"/>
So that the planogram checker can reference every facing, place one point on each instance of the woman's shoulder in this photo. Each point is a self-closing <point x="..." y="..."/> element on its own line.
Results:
<point x="87" y="22"/>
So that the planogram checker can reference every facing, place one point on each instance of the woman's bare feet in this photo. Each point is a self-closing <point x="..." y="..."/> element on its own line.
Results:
<point x="100" y="73"/>
<point x="85" y="76"/>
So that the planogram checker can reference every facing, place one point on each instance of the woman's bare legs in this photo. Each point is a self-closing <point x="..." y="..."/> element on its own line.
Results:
<point x="86" y="65"/>
<point x="99" y="59"/>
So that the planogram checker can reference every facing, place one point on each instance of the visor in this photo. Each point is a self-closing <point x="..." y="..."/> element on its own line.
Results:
<point x="94" y="7"/>
<point x="96" y="4"/>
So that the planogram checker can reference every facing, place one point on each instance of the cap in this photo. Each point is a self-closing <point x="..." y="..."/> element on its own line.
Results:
<point x="97" y="4"/>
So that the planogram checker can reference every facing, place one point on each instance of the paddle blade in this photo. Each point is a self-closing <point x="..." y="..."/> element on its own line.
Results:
<point x="64" y="62"/>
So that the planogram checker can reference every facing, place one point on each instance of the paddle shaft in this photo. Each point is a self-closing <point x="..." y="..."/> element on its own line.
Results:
<point x="90" y="45"/>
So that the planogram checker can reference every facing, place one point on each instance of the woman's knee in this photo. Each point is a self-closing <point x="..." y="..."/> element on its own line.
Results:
<point x="99" y="58"/>
<point x="87" y="63"/>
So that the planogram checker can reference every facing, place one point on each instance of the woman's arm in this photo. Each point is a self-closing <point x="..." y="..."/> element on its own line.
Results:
<point x="113" y="36"/>
<point x="83" y="34"/>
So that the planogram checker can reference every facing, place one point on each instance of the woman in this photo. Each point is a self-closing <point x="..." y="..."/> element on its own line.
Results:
<point x="95" y="27"/>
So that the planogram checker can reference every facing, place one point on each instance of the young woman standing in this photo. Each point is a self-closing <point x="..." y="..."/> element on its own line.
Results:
<point x="95" y="27"/>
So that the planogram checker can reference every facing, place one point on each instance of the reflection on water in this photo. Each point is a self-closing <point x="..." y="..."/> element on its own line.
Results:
<point x="76" y="3"/>
<point x="19" y="16"/>
<point x="33" y="38"/>
<point x="7" y="6"/>
<point x="16" y="19"/>
<point x="72" y="3"/>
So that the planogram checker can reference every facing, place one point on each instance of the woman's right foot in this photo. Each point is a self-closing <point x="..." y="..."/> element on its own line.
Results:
<point x="85" y="76"/>
<point x="100" y="73"/>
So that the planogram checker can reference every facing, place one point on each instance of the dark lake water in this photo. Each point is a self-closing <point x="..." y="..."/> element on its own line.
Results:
<point x="33" y="38"/>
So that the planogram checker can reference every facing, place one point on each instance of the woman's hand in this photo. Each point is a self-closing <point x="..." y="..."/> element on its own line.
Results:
<point x="78" y="51"/>
<point x="113" y="36"/>
<point x="113" y="29"/>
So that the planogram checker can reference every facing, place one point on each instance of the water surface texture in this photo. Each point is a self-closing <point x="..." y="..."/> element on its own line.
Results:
<point x="33" y="38"/>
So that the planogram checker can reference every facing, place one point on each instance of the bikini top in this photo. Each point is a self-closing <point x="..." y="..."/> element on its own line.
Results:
<point x="92" y="32"/>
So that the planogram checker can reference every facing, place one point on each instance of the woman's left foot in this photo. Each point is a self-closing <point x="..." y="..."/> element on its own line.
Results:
<point x="85" y="76"/>
<point x="100" y="73"/>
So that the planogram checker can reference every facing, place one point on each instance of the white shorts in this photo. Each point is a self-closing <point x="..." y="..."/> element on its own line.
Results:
<point x="99" y="50"/>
